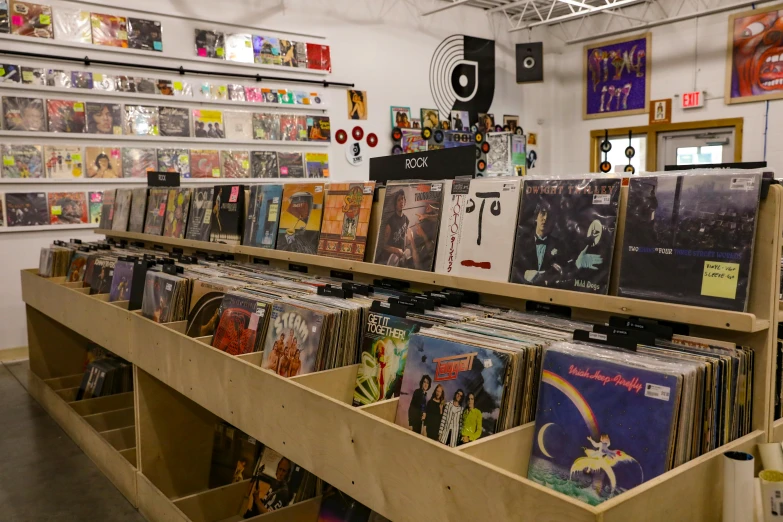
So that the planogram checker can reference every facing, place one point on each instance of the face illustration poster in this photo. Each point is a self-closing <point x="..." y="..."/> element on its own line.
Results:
<point x="753" y="68"/>
<point x="617" y="77"/>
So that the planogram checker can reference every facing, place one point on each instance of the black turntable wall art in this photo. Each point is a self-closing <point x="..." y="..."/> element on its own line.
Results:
<point x="462" y="75"/>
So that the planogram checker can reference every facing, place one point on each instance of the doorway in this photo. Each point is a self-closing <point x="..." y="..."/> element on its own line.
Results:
<point x="696" y="147"/>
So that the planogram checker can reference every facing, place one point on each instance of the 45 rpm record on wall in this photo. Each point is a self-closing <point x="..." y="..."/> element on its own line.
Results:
<point x="629" y="152"/>
<point x="396" y="134"/>
<point x="519" y="131"/>
<point x="396" y="150"/>
<point x="474" y="128"/>
<point x="341" y="136"/>
<point x="372" y="139"/>
<point x="426" y="133"/>
<point x="485" y="147"/>
<point x="630" y="169"/>
<point x="438" y="136"/>
<point x="478" y="153"/>
<point x="481" y="165"/>
<point x="357" y="133"/>
<point x="605" y="166"/>
<point x="479" y="137"/>
<point x="606" y="146"/>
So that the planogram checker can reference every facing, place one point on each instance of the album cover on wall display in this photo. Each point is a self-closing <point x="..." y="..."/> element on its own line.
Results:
<point x="109" y="30"/>
<point x="210" y="44"/>
<point x="68" y="208"/>
<point x="177" y="209"/>
<point x="126" y="83"/>
<point x="182" y="89"/>
<point x="23" y="161"/>
<point x="107" y="209"/>
<point x="566" y="234"/>
<point x="318" y="128"/>
<point x="486" y="122"/>
<point x="23" y="114"/>
<point x="103" y="118"/>
<point x="58" y="78"/>
<point x="254" y="94"/>
<point x="174" y="160"/>
<point x="156" y="211"/>
<point x="287" y="55"/>
<point x="238" y="125"/>
<point x="138" y="210"/>
<point x="266" y="126"/>
<point x="228" y="211"/>
<point x="141" y="120"/>
<point x="25" y="209"/>
<point x="300" y="54"/>
<point x="81" y="80"/>
<point x="5" y="27"/>
<point x="28" y="19"/>
<point x="65" y="116"/>
<point x="200" y="219"/>
<point x="33" y="76"/>
<point x="267" y="50"/>
<point x="263" y="216"/>
<point x="288" y="131"/>
<point x="144" y="34"/>
<point x="700" y="227"/>
<point x="235" y="163"/>
<point x="318" y="57"/>
<point x="164" y="88"/>
<point x="499" y="155"/>
<point x="104" y="82"/>
<point x="136" y="162"/>
<point x="239" y="47"/>
<point x="11" y="73"/>
<point x="300" y="217"/>
<point x="96" y="206"/>
<point x="264" y="164"/>
<point x="103" y="162"/>
<point x="290" y="164"/>
<point x="236" y="92"/>
<point x="64" y="161"/>
<point x="72" y="25"/>
<point x="460" y="120"/>
<point x="408" y="230"/>
<point x="174" y="121"/>
<point x="204" y="163"/>
<point x="146" y="85"/>
<point x="208" y="124"/>
<point x="270" y="96"/>
<point x="412" y="141"/>
<point x="317" y="164"/>
<point x="346" y="220"/>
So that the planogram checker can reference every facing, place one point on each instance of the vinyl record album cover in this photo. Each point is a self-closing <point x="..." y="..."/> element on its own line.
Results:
<point x="138" y="210"/>
<point x="22" y="161"/>
<point x="72" y="25"/>
<point x="104" y="82"/>
<point x="24" y="209"/>
<point x="126" y="83"/>
<point x="441" y="380"/>
<point x="384" y="352"/>
<point x="28" y="19"/>
<point x="602" y="427"/>
<point x="263" y="216"/>
<point x="164" y="88"/>
<point x="566" y="233"/>
<point x="182" y="89"/>
<point x="228" y="214"/>
<point x="210" y="44"/>
<point x="264" y="164"/>
<point x="300" y="54"/>
<point x="136" y="162"/>
<point x="23" y="114"/>
<point x="147" y="85"/>
<point x="254" y="94"/>
<point x="96" y="206"/>
<point x="287" y="53"/>
<point x="5" y="23"/>
<point x="238" y="125"/>
<point x="11" y="73"/>
<point x="103" y="162"/>
<point x="107" y="210"/>
<point x="121" y="281"/>
<point x="276" y="484"/>
<point x="235" y="163"/>
<point x="174" y="160"/>
<point x="318" y="128"/>
<point x="177" y="208"/>
<point x="204" y="163"/>
<point x="122" y="209"/>
<point x="156" y="211"/>
<point x="65" y="116"/>
<point x="317" y="164"/>
<point x="318" y="57"/>
<point x="236" y="92"/>
<point x="288" y="130"/>
<point x="109" y="30"/>
<point x="292" y="339"/>
<point x="141" y="120"/>
<point x="200" y="219"/>
<point x="499" y="155"/>
<point x="58" y="78"/>
<point x="174" y="121"/>
<point x="698" y="226"/>
<point x="33" y="76"/>
<point x="267" y="50"/>
<point x="301" y="123"/>
<point x="64" y="161"/>
<point x="208" y="124"/>
<point x="346" y="220"/>
<point x="69" y="208"/>
<point x="266" y="126"/>
<point x="484" y="243"/>
<point x="239" y="47"/>
<point x="300" y="217"/>
<point x="234" y="454"/>
<point x="408" y="231"/>
<point x="81" y="80"/>
<point x="271" y="96"/>
<point x="291" y="164"/>
<point x="460" y="120"/>
<point x="241" y="317"/>
<point x="103" y="118"/>
<point x="144" y="34"/>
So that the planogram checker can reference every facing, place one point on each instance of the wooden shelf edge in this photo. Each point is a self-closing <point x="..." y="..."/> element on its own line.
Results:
<point x="707" y="317"/>
<point x="777" y="431"/>
<point x="109" y="460"/>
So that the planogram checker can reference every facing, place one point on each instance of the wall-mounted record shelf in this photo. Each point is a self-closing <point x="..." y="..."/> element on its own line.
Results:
<point x="76" y="94"/>
<point x="39" y="228"/>
<point x="158" y="139"/>
<point x="309" y="420"/>
<point x="143" y="181"/>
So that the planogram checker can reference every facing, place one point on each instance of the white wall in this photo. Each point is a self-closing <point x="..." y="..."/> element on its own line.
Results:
<point x="384" y="47"/>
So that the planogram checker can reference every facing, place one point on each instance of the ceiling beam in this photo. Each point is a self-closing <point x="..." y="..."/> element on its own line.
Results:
<point x="574" y="16"/>
<point x="507" y="6"/>
<point x="454" y="3"/>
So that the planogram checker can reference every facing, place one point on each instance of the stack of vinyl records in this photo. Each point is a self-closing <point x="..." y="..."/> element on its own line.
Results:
<point x="234" y="453"/>
<point x="165" y="297"/>
<point x="54" y="261"/>
<point x="242" y="322"/>
<point x="106" y="376"/>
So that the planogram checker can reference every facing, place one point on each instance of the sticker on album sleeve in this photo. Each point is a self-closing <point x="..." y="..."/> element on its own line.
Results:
<point x="741" y="184"/>
<point x="602" y="199"/>
<point x="655" y="391"/>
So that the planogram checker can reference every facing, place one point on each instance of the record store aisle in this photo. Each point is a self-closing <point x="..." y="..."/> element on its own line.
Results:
<point x="44" y="476"/>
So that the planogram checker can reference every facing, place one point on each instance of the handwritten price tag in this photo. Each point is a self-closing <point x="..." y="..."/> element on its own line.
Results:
<point x="720" y="279"/>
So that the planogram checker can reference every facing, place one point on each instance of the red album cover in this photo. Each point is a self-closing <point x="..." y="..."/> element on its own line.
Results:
<point x="204" y="164"/>
<point x="68" y="208"/>
<point x="109" y="30"/>
<point x="65" y="116"/>
<point x="319" y="57"/>
<point x="31" y="19"/>
<point x="288" y="131"/>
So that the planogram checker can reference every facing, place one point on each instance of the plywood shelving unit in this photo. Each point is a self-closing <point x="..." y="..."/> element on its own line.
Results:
<point x="183" y="385"/>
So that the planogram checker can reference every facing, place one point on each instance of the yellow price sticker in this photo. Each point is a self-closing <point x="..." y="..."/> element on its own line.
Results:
<point x="178" y="86"/>
<point x="9" y="161"/>
<point x="184" y="158"/>
<point x="78" y="107"/>
<point x="2" y="71"/>
<point x="45" y="19"/>
<point x="76" y="157"/>
<point x="216" y="172"/>
<point x="117" y="129"/>
<point x="57" y="210"/>
<point x="154" y="130"/>
<point x="720" y="279"/>
<point x="248" y="44"/>
<point x="245" y="164"/>
<point x="219" y="51"/>
<point x="28" y="76"/>
<point x="96" y="23"/>
<point x="222" y="89"/>
<point x="98" y="77"/>
<point x="122" y="35"/>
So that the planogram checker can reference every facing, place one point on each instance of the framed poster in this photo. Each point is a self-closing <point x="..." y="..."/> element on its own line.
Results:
<point x="660" y="111"/>
<point x="617" y="77"/>
<point x="753" y="67"/>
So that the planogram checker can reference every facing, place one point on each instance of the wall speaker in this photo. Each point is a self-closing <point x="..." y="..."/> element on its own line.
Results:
<point x="530" y="62"/>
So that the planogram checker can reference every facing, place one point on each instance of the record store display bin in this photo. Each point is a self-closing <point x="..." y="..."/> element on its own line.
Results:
<point x="155" y="442"/>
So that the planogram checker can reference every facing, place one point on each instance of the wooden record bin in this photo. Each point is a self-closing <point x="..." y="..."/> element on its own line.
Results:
<point x="183" y="385"/>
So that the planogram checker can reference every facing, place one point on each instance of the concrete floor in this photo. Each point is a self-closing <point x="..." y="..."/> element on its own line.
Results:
<point x="44" y="476"/>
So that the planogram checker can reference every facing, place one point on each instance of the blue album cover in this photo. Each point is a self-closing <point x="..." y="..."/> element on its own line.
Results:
<point x="121" y="281"/>
<point x="602" y="427"/>
<point x="451" y="392"/>
<point x="263" y="216"/>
